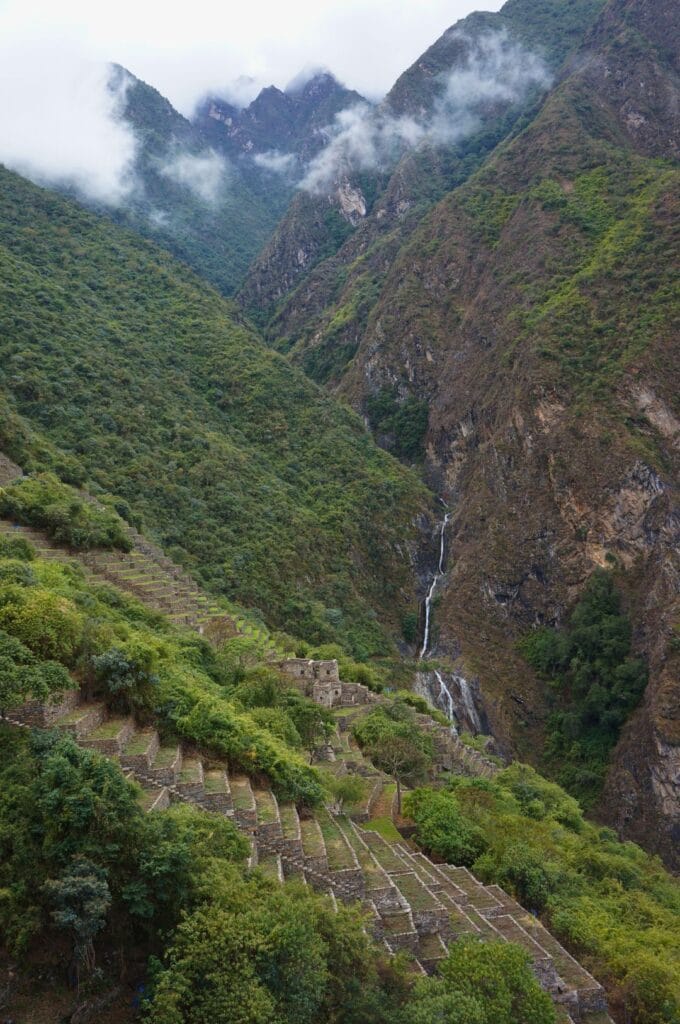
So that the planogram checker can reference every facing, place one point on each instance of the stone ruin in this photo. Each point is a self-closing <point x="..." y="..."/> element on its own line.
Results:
<point x="320" y="681"/>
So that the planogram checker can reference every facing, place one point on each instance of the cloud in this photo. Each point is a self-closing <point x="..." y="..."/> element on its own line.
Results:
<point x="276" y="162"/>
<point x="59" y="122"/>
<point x="204" y="174"/>
<point x="308" y="72"/>
<point x="497" y="71"/>
<point x="361" y="139"/>
<point x="186" y="51"/>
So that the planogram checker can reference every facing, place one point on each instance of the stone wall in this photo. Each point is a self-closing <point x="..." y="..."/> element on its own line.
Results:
<point x="9" y="471"/>
<point x="310" y="670"/>
<point x="320" y="680"/>
<point x="41" y="716"/>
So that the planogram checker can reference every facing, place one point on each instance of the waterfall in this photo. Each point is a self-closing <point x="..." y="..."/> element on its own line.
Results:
<point x="446" y="694"/>
<point x="433" y="585"/>
<point x="468" y="703"/>
<point x="449" y="691"/>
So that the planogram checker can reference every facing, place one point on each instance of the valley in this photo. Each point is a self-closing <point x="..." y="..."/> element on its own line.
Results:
<point x="340" y="542"/>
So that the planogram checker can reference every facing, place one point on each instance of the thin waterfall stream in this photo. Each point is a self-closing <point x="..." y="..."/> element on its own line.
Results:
<point x="446" y="694"/>
<point x="449" y="690"/>
<point x="433" y="585"/>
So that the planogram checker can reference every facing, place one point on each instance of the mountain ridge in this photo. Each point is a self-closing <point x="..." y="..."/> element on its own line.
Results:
<point x="533" y="309"/>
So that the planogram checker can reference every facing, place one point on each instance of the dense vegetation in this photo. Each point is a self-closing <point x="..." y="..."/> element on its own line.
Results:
<point x="69" y="818"/>
<point x="610" y="902"/>
<point x="46" y="502"/>
<point x="116" y="356"/>
<point x="404" y="423"/>
<point x="595" y="684"/>
<point x="481" y="983"/>
<point x="390" y="737"/>
<point x="84" y="868"/>
<point x="52" y="622"/>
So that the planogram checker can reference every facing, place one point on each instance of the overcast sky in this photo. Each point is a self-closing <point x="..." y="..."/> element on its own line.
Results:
<point x="187" y="48"/>
<point x="60" y="124"/>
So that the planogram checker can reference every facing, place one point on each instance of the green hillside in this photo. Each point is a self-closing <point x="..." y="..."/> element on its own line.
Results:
<point x="154" y="390"/>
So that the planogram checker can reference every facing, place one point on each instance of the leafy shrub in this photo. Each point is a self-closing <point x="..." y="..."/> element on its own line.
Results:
<point x="258" y="953"/>
<point x="44" y="501"/>
<point x="63" y="806"/>
<point x="46" y="623"/>
<point x="611" y="903"/>
<point x="419" y="704"/>
<point x="16" y="548"/>
<point x="16" y="571"/>
<point x="442" y="829"/>
<point x="127" y="674"/>
<point x="481" y="983"/>
<point x="23" y="677"/>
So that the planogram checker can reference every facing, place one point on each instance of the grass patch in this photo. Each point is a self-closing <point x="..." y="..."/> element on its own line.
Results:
<point x="386" y="828"/>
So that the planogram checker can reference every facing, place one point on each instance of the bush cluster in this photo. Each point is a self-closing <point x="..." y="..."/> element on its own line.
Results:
<point x="44" y="501"/>
<point x="609" y="902"/>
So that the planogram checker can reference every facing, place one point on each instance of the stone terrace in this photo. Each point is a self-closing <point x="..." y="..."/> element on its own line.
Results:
<point x="411" y="903"/>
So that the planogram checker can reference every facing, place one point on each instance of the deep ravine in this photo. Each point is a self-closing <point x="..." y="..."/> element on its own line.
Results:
<point x="460" y="709"/>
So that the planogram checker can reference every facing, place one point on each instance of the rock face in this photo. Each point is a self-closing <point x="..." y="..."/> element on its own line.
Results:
<point x="341" y="263"/>
<point x="294" y="122"/>
<point x="532" y="308"/>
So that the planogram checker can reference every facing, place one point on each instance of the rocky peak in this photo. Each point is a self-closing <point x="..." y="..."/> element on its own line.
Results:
<point x="289" y="121"/>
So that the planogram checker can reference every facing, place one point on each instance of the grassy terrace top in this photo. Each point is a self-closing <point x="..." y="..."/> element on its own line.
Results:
<point x="115" y="361"/>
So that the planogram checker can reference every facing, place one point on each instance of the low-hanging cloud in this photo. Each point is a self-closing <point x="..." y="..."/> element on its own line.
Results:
<point x="498" y="71"/>
<point x="276" y="162"/>
<point x="60" y="125"/>
<point x="361" y="139"/>
<point x="204" y="174"/>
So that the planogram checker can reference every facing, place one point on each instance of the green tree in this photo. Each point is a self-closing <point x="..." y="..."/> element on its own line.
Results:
<point x="596" y="684"/>
<point x="315" y="725"/>
<point x="81" y="899"/>
<point x="45" y="622"/>
<point x="128" y="674"/>
<point x="443" y="829"/>
<point x="394" y="743"/>
<point x="481" y="983"/>
<point x="23" y="677"/>
<point x="261" y="953"/>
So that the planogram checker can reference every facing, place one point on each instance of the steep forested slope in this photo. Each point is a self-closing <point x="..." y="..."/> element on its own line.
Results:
<point x="534" y="311"/>
<point x="151" y="387"/>
<point x="312" y="286"/>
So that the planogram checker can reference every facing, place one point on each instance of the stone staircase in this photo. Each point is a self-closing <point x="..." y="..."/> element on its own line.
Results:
<point x="146" y="574"/>
<point x="411" y="903"/>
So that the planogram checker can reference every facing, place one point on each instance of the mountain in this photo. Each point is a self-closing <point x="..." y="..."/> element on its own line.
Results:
<point x="121" y="368"/>
<point x="212" y="188"/>
<point x="433" y="537"/>
<point x="293" y="123"/>
<point x="520" y="337"/>
<point x="469" y="91"/>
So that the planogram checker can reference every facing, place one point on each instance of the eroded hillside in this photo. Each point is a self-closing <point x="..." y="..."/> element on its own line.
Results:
<point x="534" y="310"/>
